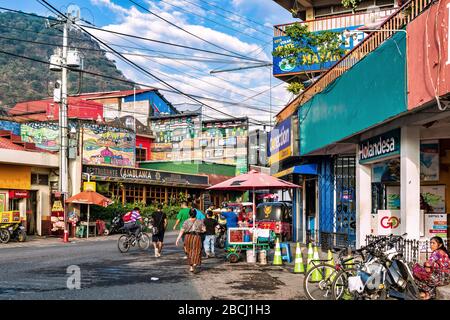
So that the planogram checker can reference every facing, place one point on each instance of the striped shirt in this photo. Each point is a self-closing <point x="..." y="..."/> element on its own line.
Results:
<point x="135" y="215"/>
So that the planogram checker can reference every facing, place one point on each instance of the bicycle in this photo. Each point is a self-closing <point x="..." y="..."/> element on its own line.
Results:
<point x="128" y="240"/>
<point x="318" y="281"/>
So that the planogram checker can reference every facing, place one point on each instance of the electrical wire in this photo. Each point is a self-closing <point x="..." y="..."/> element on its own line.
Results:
<point x="141" y="38"/>
<point x="186" y="31"/>
<point x="213" y="21"/>
<point x="118" y="79"/>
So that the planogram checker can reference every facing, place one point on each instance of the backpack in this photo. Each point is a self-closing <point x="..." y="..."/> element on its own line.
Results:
<point x="127" y="217"/>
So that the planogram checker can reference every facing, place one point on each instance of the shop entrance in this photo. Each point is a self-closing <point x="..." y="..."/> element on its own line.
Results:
<point x="32" y="213"/>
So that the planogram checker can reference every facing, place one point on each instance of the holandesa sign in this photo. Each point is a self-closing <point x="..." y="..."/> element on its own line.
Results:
<point x="379" y="147"/>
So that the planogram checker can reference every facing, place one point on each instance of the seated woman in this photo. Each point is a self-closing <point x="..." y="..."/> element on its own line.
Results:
<point x="435" y="271"/>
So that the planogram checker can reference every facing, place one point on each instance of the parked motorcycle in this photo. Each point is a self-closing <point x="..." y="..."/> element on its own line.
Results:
<point x="116" y="225"/>
<point x="12" y="231"/>
<point x="384" y="273"/>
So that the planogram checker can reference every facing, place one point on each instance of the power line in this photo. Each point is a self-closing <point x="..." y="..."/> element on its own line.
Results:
<point x="228" y="18"/>
<point x="188" y="32"/>
<point x="94" y="74"/>
<point x="235" y="14"/>
<point x="213" y="21"/>
<point x="140" y="38"/>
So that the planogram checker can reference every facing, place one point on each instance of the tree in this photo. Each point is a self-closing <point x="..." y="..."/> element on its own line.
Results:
<point x="308" y="48"/>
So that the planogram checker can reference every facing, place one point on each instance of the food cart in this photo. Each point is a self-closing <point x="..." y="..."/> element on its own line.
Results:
<point x="243" y="239"/>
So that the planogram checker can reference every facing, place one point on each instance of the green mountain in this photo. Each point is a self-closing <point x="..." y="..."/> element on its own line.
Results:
<point x="22" y="80"/>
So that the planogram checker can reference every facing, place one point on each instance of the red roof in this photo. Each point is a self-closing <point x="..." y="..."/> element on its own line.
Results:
<point x="7" y="144"/>
<point x="44" y="110"/>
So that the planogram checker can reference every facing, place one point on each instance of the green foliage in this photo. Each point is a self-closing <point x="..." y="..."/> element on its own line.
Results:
<point x="108" y="213"/>
<point x="22" y="79"/>
<point x="295" y="87"/>
<point x="351" y="3"/>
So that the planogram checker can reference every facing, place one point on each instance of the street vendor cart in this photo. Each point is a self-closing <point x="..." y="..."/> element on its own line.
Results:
<point x="243" y="239"/>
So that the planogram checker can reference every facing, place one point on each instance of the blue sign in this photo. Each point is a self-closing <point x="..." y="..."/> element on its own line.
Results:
<point x="280" y="141"/>
<point x="282" y="66"/>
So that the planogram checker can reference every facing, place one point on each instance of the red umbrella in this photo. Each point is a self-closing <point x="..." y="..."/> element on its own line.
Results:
<point x="90" y="197"/>
<point x="253" y="180"/>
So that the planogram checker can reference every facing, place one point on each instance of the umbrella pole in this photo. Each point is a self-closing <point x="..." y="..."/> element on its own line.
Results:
<point x="89" y="211"/>
<point x="254" y="225"/>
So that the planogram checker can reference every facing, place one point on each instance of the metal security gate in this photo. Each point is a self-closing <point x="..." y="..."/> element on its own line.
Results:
<point x="338" y="202"/>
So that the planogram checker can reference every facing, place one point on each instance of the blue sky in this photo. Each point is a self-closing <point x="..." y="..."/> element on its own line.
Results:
<point x="241" y="26"/>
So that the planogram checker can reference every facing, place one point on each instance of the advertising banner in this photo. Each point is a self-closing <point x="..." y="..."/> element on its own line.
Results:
<point x="429" y="160"/>
<point x="311" y="63"/>
<point x="436" y="225"/>
<point x="381" y="146"/>
<point x="432" y="198"/>
<point x="280" y="142"/>
<point x="104" y="145"/>
<point x="389" y="222"/>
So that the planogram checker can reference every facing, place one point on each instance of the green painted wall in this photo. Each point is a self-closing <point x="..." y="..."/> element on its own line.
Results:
<point x="192" y="168"/>
<point x="373" y="91"/>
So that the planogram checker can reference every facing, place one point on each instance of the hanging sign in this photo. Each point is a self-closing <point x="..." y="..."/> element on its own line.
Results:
<point x="89" y="186"/>
<point x="57" y="206"/>
<point x="381" y="146"/>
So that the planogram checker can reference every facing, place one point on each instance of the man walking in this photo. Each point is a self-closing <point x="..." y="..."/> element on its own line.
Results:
<point x="210" y="234"/>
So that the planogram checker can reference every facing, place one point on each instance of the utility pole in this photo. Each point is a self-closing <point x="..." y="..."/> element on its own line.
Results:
<point x="61" y="62"/>
<point x="64" y="167"/>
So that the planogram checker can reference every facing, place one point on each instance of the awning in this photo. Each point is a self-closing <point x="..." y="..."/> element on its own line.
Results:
<point x="310" y="168"/>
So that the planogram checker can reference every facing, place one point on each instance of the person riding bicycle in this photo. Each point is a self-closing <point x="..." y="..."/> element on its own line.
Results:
<point x="131" y="221"/>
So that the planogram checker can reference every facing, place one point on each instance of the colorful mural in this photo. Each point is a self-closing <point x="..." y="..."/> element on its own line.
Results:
<point x="104" y="145"/>
<point x="14" y="127"/>
<point x="44" y="135"/>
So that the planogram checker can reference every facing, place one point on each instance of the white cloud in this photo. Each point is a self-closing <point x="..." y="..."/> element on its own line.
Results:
<point x="193" y="76"/>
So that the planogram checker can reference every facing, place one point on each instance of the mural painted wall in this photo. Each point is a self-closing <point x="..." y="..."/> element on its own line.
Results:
<point x="14" y="127"/>
<point x="44" y="134"/>
<point x="429" y="55"/>
<point x="175" y="138"/>
<point x="104" y="145"/>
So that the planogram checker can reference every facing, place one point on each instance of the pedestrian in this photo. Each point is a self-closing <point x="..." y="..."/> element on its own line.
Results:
<point x="192" y="228"/>
<point x="182" y="216"/>
<point x="210" y="234"/>
<point x="435" y="271"/>
<point x="232" y="217"/>
<point x="159" y="227"/>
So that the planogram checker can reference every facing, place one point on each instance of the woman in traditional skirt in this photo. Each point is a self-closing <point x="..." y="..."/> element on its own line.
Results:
<point x="192" y="228"/>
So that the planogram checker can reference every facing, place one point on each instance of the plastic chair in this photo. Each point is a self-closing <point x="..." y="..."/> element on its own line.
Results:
<point x="286" y="254"/>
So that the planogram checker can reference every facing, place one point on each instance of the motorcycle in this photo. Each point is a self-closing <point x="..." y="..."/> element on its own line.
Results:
<point x="13" y="231"/>
<point x="116" y="225"/>
<point x="384" y="274"/>
<point x="221" y="235"/>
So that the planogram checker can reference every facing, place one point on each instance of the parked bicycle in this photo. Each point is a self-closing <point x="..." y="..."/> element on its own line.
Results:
<point x="318" y="281"/>
<point x="128" y="240"/>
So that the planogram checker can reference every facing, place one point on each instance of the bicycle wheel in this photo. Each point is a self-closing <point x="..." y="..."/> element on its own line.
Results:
<point x="123" y="243"/>
<point x="318" y="282"/>
<point x="4" y="236"/>
<point x="340" y="285"/>
<point x="144" y="241"/>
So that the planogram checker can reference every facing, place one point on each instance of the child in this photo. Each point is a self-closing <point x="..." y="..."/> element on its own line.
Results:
<point x="210" y="234"/>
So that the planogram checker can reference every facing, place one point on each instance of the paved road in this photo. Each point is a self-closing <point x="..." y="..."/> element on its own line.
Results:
<point x="39" y="271"/>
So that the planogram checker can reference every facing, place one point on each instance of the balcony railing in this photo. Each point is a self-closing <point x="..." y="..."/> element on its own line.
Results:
<point x="409" y="11"/>
<point x="336" y="22"/>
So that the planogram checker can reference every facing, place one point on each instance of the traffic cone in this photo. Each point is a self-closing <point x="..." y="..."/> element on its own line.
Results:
<point x="66" y="236"/>
<point x="309" y="258"/>
<point x="328" y="271"/>
<point x="316" y="275"/>
<point x="298" y="264"/>
<point x="277" y="260"/>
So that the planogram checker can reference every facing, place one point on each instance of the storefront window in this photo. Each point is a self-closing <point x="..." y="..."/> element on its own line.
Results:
<point x="14" y="204"/>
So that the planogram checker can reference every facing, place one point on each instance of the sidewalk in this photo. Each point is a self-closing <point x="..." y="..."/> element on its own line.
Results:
<point x="43" y="241"/>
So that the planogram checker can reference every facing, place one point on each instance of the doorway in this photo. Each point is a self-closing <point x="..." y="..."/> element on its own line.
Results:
<point x="32" y="213"/>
